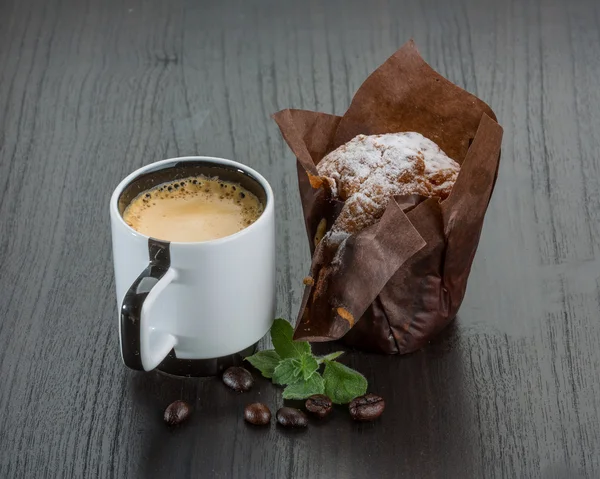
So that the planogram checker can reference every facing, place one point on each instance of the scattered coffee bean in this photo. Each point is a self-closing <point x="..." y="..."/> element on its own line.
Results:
<point x="318" y="404"/>
<point x="366" y="408"/>
<point x="258" y="414"/>
<point x="291" y="417"/>
<point x="177" y="412"/>
<point x="238" y="379"/>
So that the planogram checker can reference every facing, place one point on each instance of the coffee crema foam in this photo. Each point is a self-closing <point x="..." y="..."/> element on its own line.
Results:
<point x="193" y="209"/>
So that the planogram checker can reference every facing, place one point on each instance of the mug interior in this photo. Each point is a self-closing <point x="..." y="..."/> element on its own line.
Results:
<point x="185" y="169"/>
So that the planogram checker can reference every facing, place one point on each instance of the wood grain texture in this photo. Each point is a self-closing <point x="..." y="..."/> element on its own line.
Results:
<point x="91" y="90"/>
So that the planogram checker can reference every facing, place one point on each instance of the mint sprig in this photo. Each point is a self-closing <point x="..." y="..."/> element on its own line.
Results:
<point x="293" y="365"/>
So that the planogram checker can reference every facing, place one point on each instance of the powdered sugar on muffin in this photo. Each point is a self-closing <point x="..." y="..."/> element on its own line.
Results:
<point x="368" y="171"/>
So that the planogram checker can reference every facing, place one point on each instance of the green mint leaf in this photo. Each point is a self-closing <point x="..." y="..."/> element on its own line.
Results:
<point x="288" y="371"/>
<point x="281" y="335"/>
<point x="308" y="366"/>
<point x="292" y="370"/>
<point x="330" y="357"/>
<point x="304" y="389"/>
<point x="343" y="384"/>
<point x="265" y="362"/>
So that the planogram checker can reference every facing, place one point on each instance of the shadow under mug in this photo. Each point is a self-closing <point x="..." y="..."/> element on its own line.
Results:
<point x="193" y="309"/>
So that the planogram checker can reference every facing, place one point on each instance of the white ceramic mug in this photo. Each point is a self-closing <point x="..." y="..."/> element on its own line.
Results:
<point x="192" y="308"/>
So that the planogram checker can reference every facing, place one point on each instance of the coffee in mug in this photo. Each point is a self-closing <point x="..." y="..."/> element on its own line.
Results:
<point x="193" y="209"/>
<point x="194" y="257"/>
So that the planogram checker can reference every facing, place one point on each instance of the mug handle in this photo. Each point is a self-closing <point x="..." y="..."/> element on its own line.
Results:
<point x="143" y="348"/>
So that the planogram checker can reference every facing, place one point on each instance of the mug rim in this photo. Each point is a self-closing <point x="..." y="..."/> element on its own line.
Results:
<point x="114" y="199"/>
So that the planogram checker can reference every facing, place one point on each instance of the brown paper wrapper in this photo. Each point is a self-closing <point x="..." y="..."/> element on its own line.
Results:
<point x="393" y="286"/>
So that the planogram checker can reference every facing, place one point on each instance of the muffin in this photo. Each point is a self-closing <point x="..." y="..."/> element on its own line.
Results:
<point x="368" y="171"/>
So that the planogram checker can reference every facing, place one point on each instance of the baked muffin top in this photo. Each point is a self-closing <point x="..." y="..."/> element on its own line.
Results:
<point x="368" y="171"/>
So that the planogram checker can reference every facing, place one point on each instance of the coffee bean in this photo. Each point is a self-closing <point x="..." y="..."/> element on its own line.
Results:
<point x="177" y="412"/>
<point x="318" y="404"/>
<point x="258" y="414"/>
<point x="291" y="417"/>
<point x="238" y="379"/>
<point x="366" y="408"/>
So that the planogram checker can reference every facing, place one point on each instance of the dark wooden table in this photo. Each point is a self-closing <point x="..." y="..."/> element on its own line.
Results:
<point x="91" y="90"/>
